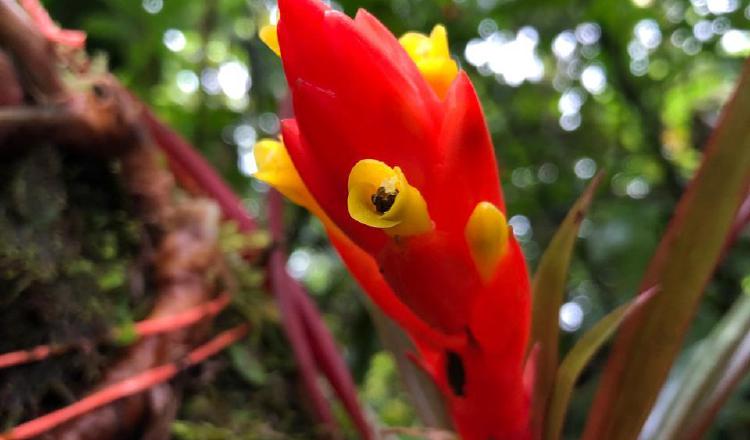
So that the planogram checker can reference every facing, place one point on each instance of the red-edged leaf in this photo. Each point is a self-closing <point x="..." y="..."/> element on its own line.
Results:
<point x="706" y="379"/>
<point x="548" y="292"/>
<point x="577" y="359"/>
<point x="650" y="338"/>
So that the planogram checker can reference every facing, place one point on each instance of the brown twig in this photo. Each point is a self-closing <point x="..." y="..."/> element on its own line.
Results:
<point x="34" y="54"/>
<point x="101" y="120"/>
<point x="11" y="92"/>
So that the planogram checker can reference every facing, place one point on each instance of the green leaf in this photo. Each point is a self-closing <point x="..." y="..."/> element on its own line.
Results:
<point x="650" y="339"/>
<point x="708" y="366"/>
<point x="577" y="359"/>
<point x="548" y="292"/>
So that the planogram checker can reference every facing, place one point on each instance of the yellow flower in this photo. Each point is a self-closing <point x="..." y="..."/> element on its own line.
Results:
<point x="381" y="197"/>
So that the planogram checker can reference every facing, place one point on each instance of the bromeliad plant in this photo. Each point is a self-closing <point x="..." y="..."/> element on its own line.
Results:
<point x="389" y="149"/>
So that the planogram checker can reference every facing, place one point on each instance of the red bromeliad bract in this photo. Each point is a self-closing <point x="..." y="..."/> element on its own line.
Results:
<point x="390" y="150"/>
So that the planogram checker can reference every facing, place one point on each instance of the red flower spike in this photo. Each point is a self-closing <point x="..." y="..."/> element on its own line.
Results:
<point x="402" y="172"/>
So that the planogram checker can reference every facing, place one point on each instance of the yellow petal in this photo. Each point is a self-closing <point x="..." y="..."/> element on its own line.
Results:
<point x="487" y="236"/>
<point x="381" y="197"/>
<point x="416" y="45"/>
<point x="276" y="168"/>
<point x="432" y="57"/>
<point x="269" y="36"/>
<point x="439" y="42"/>
<point x="439" y="73"/>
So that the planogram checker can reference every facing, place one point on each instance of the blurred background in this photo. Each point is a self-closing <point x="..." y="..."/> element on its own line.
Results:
<point x="569" y="88"/>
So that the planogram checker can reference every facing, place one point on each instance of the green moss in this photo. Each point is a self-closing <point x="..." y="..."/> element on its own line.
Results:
<point x="66" y="242"/>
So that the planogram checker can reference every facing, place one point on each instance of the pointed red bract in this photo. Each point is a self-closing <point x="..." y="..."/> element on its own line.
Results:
<point x="468" y="165"/>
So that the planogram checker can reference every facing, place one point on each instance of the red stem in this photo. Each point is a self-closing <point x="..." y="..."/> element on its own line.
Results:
<point x="326" y="354"/>
<point x="127" y="387"/>
<point x="184" y="319"/>
<point x="283" y="287"/>
<point x="143" y="328"/>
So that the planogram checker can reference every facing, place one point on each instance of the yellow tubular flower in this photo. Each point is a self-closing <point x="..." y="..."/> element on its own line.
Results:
<point x="487" y="236"/>
<point x="432" y="57"/>
<point x="275" y="168"/>
<point x="381" y="197"/>
<point x="269" y="36"/>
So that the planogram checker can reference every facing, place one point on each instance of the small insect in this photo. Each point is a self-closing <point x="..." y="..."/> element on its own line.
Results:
<point x="384" y="199"/>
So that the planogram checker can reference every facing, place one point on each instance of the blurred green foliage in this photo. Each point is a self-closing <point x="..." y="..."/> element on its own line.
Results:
<point x="568" y="87"/>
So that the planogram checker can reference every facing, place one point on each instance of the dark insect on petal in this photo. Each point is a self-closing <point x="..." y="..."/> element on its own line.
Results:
<point x="383" y="199"/>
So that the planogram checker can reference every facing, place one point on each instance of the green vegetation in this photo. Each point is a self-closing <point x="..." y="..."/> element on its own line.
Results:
<point x="569" y="88"/>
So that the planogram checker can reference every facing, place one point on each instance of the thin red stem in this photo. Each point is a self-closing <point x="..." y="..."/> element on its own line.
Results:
<point x="184" y="319"/>
<point x="128" y="387"/>
<point x="141" y="329"/>
<point x="326" y="354"/>
<point x="283" y="287"/>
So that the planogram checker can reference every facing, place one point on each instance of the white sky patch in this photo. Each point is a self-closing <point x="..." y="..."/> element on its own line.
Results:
<point x="234" y="79"/>
<point x="564" y="45"/>
<point x="187" y="81"/>
<point x="588" y="33"/>
<point x="593" y="79"/>
<point x="647" y="33"/>
<point x="735" y="42"/>
<point x="571" y="316"/>
<point x="153" y="6"/>
<point x="174" y="40"/>
<point x="718" y="7"/>
<point x="521" y="226"/>
<point x="584" y="168"/>
<point x="512" y="58"/>
<point x="244" y="136"/>
<point x="210" y="81"/>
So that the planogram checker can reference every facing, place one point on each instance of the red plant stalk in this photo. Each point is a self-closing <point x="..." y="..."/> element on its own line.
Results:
<point x="281" y="285"/>
<point x="187" y="318"/>
<point x="128" y="387"/>
<point x="324" y="350"/>
<point x="389" y="148"/>
<point x="141" y="329"/>
<point x="332" y="366"/>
